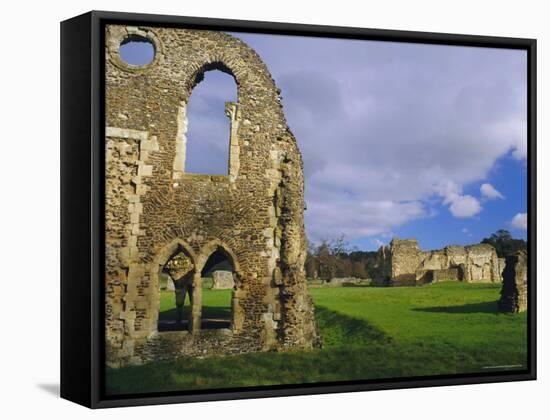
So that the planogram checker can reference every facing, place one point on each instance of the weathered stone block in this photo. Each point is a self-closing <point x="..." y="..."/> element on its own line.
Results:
<point x="222" y="280"/>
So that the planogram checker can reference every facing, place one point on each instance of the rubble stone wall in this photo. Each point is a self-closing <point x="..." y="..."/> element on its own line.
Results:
<point x="406" y="257"/>
<point x="402" y="263"/>
<point x="446" y="274"/>
<point x="154" y="208"/>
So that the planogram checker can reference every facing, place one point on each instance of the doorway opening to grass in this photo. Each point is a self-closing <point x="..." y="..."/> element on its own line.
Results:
<point x="217" y="284"/>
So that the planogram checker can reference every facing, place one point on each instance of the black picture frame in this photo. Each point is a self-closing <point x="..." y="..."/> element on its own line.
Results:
<point x="82" y="207"/>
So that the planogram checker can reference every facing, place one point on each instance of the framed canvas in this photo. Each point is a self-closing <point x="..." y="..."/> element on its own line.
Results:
<point x="254" y="209"/>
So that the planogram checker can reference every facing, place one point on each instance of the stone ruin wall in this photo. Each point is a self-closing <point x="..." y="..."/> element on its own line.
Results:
<point x="513" y="295"/>
<point x="155" y="209"/>
<point x="406" y="258"/>
<point x="402" y="263"/>
<point x="222" y="279"/>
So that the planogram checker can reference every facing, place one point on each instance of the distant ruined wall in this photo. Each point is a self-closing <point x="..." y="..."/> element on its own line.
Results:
<point x="343" y="281"/>
<point x="154" y="208"/>
<point x="402" y="263"/>
<point x="405" y="259"/>
<point x="445" y="274"/>
<point x="222" y="279"/>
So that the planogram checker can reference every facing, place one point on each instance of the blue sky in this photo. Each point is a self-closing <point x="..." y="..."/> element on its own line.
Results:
<point x="398" y="139"/>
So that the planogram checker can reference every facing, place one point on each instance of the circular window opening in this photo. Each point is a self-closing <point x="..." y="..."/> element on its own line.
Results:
<point x="137" y="50"/>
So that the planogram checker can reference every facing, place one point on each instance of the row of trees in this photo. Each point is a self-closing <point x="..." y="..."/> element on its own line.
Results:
<point x="335" y="258"/>
<point x="504" y="243"/>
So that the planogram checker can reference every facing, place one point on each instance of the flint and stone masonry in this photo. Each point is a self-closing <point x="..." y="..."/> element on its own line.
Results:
<point x="155" y="210"/>
<point x="402" y="263"/>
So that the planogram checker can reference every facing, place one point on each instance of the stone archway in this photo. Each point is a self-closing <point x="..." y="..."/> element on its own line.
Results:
<point x="163" y="257"/>
<point x="210" y="248"/>
<point x="234" y="320"/>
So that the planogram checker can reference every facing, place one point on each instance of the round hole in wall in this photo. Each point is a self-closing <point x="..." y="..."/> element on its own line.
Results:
<point x="137" y="50"/>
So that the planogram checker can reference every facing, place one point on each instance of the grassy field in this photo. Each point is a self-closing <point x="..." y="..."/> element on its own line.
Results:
<point x="216" y="303"/>
<point x="368" y="333"/>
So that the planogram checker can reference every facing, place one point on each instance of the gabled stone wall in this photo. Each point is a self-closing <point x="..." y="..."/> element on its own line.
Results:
<point x="154" y="208"/>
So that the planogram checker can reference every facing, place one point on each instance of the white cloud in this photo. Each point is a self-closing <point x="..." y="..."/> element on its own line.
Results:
<point x="489" y="192"/>
<point x="378" y="242"/>
<point x="464" y="206"/>
<point x="520" y="149"/>
<point x="389" y="131"/>
<point x="461" y="206"/>
<point x="332" y="216"/>
<point x="519" y="221"/>
<point x="448" y="190"/>
<point x="514" y="130"/>
<point x="466" y="232"/>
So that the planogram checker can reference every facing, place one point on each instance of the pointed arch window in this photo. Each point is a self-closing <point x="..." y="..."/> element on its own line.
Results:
<point x="206" y="142"/>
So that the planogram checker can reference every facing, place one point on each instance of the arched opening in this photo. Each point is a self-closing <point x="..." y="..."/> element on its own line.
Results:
<point x="208" y="122"/>
<point x="137" y="50"/>
<point x="218" y="282"/>
<point x="176" y="282"/>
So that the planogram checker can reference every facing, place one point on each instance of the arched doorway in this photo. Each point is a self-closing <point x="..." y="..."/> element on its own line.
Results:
<point x="218" y="279"/>
<point x="176" y="283"/>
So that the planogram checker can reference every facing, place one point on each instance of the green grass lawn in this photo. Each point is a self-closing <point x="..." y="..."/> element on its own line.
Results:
<point x="215" y="304"/>
<point x="368" y="333"/>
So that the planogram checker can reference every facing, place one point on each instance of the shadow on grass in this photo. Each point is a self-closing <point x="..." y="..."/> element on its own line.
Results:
<point x="217" y="312"/>
<point x="341" y="330"/>
<point x="343" y="357"/>
<point x="329" y="284"/>
<point x="356" y="285"/>
<point x="469" y="308"/>
<point x="213" y="317"/>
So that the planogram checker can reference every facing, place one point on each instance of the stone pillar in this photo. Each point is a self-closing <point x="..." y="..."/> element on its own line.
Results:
<point x="495" y="269"/>
<point x="236" y="310"/>
<point x="178" y="169"/>
<point x="170" y="284"/>
<point x="513" y="295"/>
<point x="467" y="276"/>
<point x="233" y="113"/>
<point x="196" y="305"/>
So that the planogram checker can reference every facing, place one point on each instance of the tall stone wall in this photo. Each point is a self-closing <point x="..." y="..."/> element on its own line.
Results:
<point x="513" y="295"/>
<point x="155" y="209"/>
<point x="402" y="263"/>
<point x="405" y="259"/>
